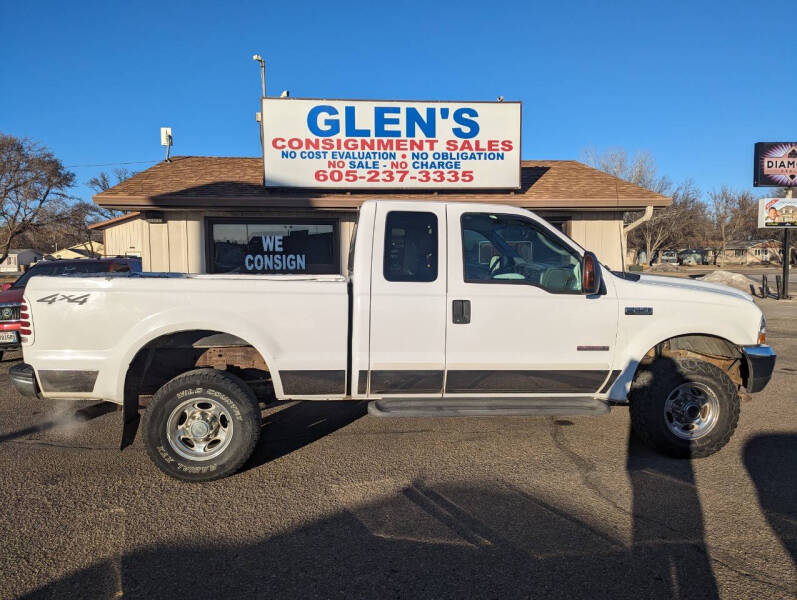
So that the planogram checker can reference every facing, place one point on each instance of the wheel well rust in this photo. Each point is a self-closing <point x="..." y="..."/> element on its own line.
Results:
<point x="169" y="355"/>
<point x="715" y="350"/>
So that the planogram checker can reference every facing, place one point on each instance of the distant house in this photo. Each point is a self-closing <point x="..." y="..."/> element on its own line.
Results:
<point x="83" y="250"/>
<point x="752" y="252"/>
<point x="19" y="260"/>
<point x="787" y="213"/>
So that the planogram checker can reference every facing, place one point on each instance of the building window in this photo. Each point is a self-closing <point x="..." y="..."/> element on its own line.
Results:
<point x="273" y="246"/>
<point x="410" y="246"/>
<point x="560" y="223"/>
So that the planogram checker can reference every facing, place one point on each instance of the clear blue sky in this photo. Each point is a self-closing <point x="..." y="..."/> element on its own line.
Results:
<point x="693" y="83"/>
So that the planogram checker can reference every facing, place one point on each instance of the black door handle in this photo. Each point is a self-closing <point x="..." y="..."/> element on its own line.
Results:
<point x="461" y="311"/>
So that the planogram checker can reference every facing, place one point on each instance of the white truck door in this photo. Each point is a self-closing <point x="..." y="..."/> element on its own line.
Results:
<point x="518" y="324"/>
<point x="408" y="300"/>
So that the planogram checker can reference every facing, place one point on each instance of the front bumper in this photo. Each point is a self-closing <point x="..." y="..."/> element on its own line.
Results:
<point x="760" y="364"/>
<point x="24" y="379"/>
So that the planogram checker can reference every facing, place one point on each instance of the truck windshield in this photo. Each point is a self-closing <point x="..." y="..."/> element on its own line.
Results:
<point x="59" y="268"/>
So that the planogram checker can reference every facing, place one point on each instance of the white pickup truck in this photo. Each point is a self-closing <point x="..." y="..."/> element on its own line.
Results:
<point x="447" y="309"/>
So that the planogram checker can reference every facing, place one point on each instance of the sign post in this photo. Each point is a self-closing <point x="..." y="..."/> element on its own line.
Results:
<point x="786" y="256"/>
<point x="775" y="165"/>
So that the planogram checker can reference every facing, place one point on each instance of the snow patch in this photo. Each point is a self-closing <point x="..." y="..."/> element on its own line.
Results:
<point x="734" y="280"/>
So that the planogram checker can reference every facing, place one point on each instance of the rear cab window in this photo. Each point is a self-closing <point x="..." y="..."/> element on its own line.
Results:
<point x="410" y="246"/>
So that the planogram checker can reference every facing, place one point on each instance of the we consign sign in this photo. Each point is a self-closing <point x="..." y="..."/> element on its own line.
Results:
<point x="374" y="144"/>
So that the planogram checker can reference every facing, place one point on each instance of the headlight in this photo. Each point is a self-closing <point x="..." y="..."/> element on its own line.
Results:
<point x="762" y="331"/>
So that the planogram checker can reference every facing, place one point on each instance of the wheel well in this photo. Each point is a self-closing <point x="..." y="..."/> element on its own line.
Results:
<point x="167" y="356"/>
<point x="715" y="350"/>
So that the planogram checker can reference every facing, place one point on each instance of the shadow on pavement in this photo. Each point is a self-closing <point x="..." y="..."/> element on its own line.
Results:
<point x="771" y="461"/>
<point x="300" y="424"/>
<point x="64" y="418"/>
<point x="484" y="540"/>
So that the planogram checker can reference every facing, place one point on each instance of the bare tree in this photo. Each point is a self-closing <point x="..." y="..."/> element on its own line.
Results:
<point x="640" y="169"/>
<point x="735" y="216"/>
<point x="103" y="182"/>
<point x="33" y="189"/>
<point x="682" y="224"/>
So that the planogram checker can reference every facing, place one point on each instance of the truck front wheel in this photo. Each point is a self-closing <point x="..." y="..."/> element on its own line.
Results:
<point x="202" y="425"/>
<point x="686" y="408"/>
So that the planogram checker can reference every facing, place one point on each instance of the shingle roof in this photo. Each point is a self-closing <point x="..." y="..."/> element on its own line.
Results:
<point x="199" y="181"/>
<point x="743" y="244"/>
<point x="115" y="220"/>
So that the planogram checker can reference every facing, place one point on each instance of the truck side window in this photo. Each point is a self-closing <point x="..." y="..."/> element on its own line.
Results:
<point x="410" y="246"/>
<point x="509" y="249"/>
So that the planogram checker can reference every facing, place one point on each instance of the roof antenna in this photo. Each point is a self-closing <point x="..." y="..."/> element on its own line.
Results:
<point x="166" y="140"/>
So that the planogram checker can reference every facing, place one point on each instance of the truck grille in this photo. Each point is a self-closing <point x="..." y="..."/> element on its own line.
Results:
<point x="9" y="312"/>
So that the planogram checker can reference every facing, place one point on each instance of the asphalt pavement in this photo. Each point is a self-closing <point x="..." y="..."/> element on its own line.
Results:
<point x="338" y="504"/>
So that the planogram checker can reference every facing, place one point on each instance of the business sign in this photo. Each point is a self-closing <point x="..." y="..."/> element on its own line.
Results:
<point x="367" y="144"/>
<point x="775" y="164"/>
<point x="777" y="212"/>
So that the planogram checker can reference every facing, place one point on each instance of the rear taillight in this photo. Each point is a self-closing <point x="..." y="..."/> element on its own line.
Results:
<point x="25" y="323"/>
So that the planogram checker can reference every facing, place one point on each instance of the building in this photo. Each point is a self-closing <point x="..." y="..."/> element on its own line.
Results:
<point x="87" y="249"/>
<point x="195" y="213"/>
<point x="19" y="260"/>
<point x="753" y="252"/>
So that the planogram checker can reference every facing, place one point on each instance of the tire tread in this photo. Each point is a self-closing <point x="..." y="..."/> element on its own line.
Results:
<point x="207" y="378"/>
<point x="648" y="390"/>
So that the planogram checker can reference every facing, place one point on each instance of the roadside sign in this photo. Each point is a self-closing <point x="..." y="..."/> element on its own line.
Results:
<point x="376" y="144"/>
<point x="775" y="164"/>
<point x="777" y="213"/>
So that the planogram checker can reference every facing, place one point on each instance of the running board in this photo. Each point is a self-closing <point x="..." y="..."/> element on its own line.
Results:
<point x="487" y="407"/>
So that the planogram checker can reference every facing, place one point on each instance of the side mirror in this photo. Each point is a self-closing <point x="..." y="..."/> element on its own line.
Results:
<point x="590" y="274"/>
<point x="6" y="286"/>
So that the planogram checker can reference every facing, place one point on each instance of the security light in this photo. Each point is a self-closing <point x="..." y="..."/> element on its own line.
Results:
<point x="258" y="58"/>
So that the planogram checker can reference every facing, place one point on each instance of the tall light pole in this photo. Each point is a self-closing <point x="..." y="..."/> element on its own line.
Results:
<point x="259" y="59"/>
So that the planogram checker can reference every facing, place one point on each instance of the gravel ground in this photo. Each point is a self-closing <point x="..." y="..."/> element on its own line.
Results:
<point x="338" y="504"/>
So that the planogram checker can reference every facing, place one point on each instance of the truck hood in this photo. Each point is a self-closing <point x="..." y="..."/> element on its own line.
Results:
<point x="677" y="283"/>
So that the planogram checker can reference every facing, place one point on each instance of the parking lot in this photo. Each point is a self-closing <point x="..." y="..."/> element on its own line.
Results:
<point x="339" y="504"/>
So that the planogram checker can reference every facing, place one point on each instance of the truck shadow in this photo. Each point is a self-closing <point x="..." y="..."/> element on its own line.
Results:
<point x="299" y="424"/>
<point x="771" y="461"/>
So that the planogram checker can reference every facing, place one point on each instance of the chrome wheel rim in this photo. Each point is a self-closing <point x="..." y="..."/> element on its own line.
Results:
<point x="691" y="410"/>
<point x="199" y="429"/>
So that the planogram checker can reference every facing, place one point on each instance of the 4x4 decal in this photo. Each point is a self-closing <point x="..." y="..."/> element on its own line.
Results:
<point x="52" y="298"/>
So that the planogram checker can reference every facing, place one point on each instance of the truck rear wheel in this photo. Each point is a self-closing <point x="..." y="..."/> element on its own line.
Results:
<point x="686" y="408"/>
<point x="202" y="425"/>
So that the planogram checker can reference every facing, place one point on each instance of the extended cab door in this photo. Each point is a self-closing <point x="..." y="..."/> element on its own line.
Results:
<point x="408" y="300"/>
<point x="518" y="323"/>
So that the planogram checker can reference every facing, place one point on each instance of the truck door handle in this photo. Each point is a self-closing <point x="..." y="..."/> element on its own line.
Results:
<point x="461" y="311"/>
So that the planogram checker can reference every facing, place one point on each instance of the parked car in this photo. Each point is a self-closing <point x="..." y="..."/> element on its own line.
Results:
<point x="447" y="309"/>
<point x="11" y="294"/>
<point x="692" y="257"/>
<point x="668" y="256"/>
